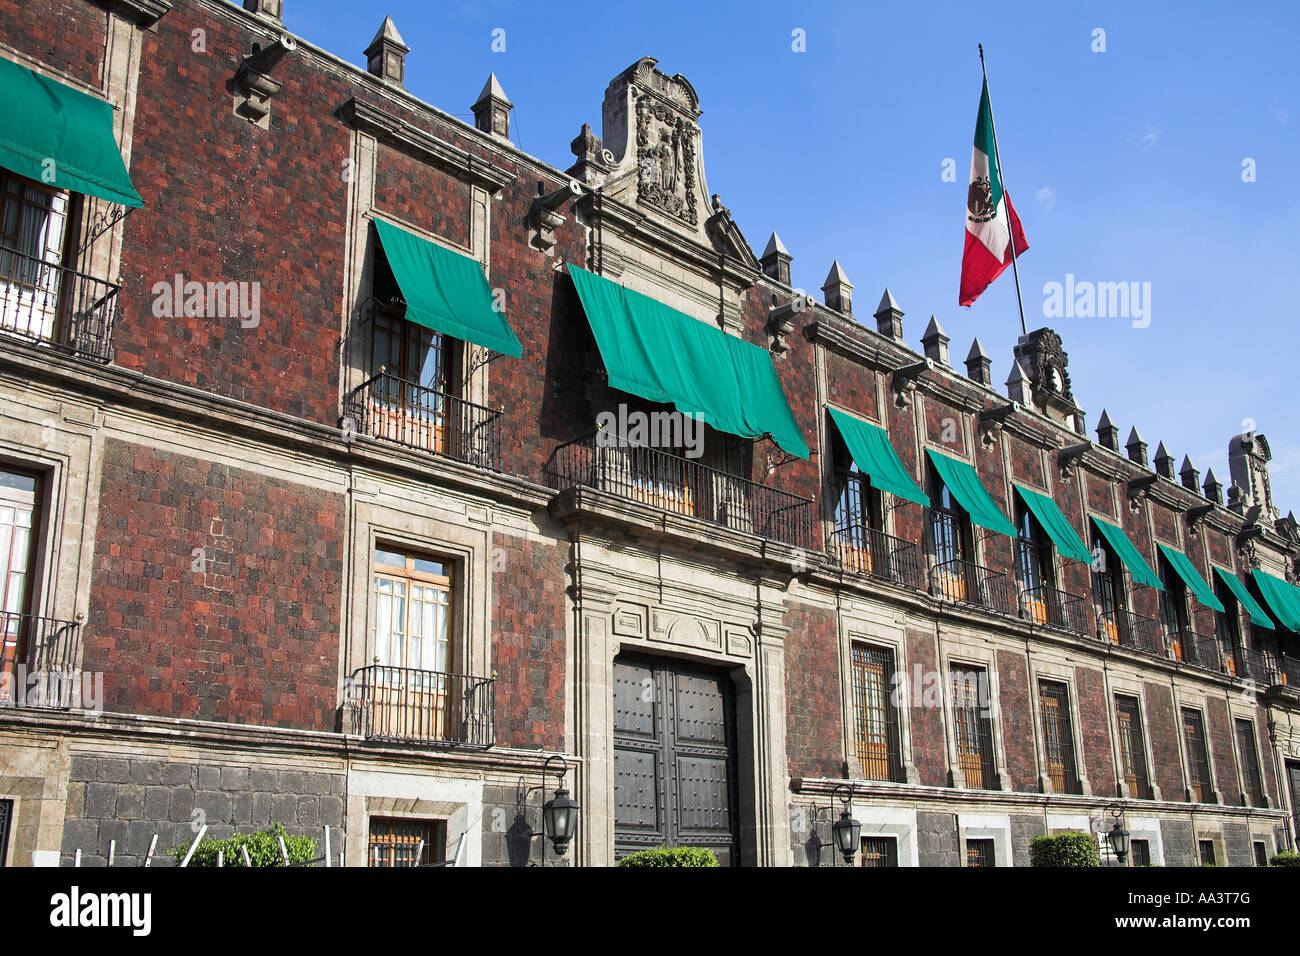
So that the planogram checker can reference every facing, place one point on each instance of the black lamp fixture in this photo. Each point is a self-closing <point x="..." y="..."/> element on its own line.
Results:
<point x="846" y="831"/>
<point x="1118" y="835"/>
<point x="560" y="813"/>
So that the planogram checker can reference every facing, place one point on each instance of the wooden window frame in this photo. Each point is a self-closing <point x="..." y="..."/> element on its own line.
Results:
<point x="972" y="728"/>
<point x="1198" y="756"/>
<point x="402" y="843"/>
<point x="1057" y="722"/>
<point x="408" y="574"/>
<point x="876" y="765"/>
<point x="1132" y="757"/>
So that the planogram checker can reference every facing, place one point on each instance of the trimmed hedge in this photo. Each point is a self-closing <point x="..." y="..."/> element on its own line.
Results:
<point x="263" y="849"/>
<point x="671" y="856"/>
<point x="1285" y="858"/>
<point x="1064" y="849"/>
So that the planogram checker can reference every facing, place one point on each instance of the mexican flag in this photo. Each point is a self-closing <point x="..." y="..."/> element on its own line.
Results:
<point x="991" y="220"/>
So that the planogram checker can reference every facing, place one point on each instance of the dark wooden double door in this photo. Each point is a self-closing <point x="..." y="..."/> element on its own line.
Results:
<point x="674" y="758"/>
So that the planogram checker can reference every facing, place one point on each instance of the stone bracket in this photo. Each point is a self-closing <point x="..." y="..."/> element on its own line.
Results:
<point x="904" y="380"/>
<point x="544" y="217"/>
<point x="254" y="83"/>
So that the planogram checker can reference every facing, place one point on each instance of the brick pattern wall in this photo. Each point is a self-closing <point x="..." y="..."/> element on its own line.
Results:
<point x="67" y="35"/>
<point x="1026" y="464"/>
<point x="1019" y="735"/>
<point x="945" y="428"/>
<point x="528" y="642"/>
<point x="414" y="192"/>
<point x="852" y="386"/>
<point x="1099" y="496"/>
<point x="1097" y="759"/>
<point x="929" y="745"/>
<point x="251" y="639"/>
<point x="128" y="800"/>
<point x="1221" y="734"/>
<point x="814" y="706"/>
<point x="1164" y="728"/>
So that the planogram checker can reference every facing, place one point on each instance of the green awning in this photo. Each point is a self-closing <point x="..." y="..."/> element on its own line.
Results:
<point x="666" y="356"/>
<point x="1282" y="598"/>
<point x="1258" y="616"/>
<point x="1183" y="565"/>
<point x="59" y="136"/>
<point x="446" y="291"/>
<point x="965" y="485"/>
<point x="1128" y="554"/>
<point x="1056" y="524"/>
<point x="875" y="456"/>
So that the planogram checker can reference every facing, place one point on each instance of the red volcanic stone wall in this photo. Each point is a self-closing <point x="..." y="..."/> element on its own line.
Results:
<point x="255" y="638"/>
<point x="1164" y="729"/>
<point x="1219" y="730"/>
<point x="1265" y="757"/>
<point x="421" y="195"/>
<point x="945" y="427"/>
<point x="814" y="732"/>
<point x="851" y="386"/>
<point x="925" y="712"/>
<point x="1094" y="730"/>
<point x="1018" y="731"/>
<point x="1165" y="524"/>
<point x="67" y="35"/>
<point x="1026" y="464"/>
<point x="996" y="550"/>
<point x="228" y="201"/>
<point x="1220" y="549"/>
<point x="1076" y="576"/>
<point x="901" y="424"/>
<point x="1099" y="496"/>
<point x="1144" y="600"/>
<point x="528" y="642"/>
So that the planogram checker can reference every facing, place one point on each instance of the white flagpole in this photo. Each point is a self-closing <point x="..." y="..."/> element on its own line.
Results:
<point x="1015" y="271"/>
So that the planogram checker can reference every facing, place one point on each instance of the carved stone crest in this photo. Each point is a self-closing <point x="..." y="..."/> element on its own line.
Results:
<point x="665" y="153"/>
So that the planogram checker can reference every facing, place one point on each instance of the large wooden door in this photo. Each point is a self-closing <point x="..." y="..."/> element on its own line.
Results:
<point x="674" y="758"/>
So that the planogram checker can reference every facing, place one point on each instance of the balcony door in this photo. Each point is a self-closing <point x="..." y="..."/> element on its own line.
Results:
<point x="952" y="539"/>
<point x="1173" y="609"/>
<point x="17" y="552"/>
<point x="33" y="227"/>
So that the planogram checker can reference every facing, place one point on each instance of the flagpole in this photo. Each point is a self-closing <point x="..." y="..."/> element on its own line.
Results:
<point x="1015" y="271"/>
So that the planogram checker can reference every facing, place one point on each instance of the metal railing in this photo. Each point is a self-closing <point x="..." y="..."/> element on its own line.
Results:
<point x="1255" y="665"/>
<point x="39" y="660"/>
<point x="684" y="487"/>
<point x="964" y="582"/>
<point x="1130" y="629"/>
<point x="1052" y="607"/>
<point x="51" y="304"/>
<point x="406" y="705"/>
<point x="392" y="409"/>
<point x="872" y="552"/>
<point x="1197" y="650"/>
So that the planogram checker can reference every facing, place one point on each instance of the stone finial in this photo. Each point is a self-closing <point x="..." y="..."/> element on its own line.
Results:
<point x="492" y="109"/>
<point x="979" y="367"/>
<point x="1190" y="475"/>
<point x="1018" y="387"/>
<point x="838" y="290"/>
<point x="1213" y="488"/>
<point x="1237" y="499"/>
<point x="776" y="259"/>
<point x="1137" y="448"/>
<point x="271" y="9"/>
<point x="935" y="342"/>
<point x="1164" y="462"/>
<point x="1107" y="432"/>
<point x="386" y="55"/>
<point x="889" y="317"/>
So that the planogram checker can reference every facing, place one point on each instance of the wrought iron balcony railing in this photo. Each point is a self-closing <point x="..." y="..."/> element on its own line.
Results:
<point x="872" y="552"/>
<point x="1255" y="665"/>
<point x="395" y="410"/>
<point x="1130" y="629"/>
<point x="47" y="303"/>
<point x="1053" y="607"/>
<point x="405" y="705"/>
<point x="39" y="661"/>
<point x="684" y="487"/>
<point x="1196" y="649"/>
<point x="964" y="582"/>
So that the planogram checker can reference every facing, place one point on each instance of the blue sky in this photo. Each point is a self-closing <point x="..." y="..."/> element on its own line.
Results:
<point x="1125" y="165"/>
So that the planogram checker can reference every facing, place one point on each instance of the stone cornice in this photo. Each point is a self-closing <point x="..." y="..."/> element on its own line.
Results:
<point x="599" y="209"/>
<point x="122" y="388"/>
<point x="143" y="13"/>
<point x="392" y="130"/>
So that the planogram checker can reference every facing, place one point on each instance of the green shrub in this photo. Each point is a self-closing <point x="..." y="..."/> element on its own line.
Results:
<point x="1064" y="849"/>
<point x="1285" y="858"/>
<point x="671" y="856"/>
<point x="263" y="849"/>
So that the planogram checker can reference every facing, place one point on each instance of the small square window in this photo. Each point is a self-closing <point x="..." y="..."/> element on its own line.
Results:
<point x="1141" y="852"/>
<point x="1261" y="853"/>
<point x="397" y="842"/>
<point x="1207" y="853"/>
<point x="879" y="851"/>
<point x="979" y="853"/>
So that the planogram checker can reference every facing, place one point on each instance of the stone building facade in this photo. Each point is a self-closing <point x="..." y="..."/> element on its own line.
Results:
<point x="326" y="543"/>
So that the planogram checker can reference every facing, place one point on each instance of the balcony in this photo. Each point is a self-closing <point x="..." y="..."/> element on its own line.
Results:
<point x="682" y="486"/>
<point x="404" y="705"/>
<point x="872" y="552"/>
<point x="48" y="304"/>
<point x="1196" y="649"/>
<point x="391" y="409"/>
<point x="1052" y="607"/>
<point x="1133" y="630"/>
<point x="964" y="582"/>
<point x="1256" y="665"/>
<point x="39" y="661"/>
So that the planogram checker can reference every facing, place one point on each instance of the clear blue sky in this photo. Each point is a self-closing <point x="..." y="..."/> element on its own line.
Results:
<point x="1124" y="165"/>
